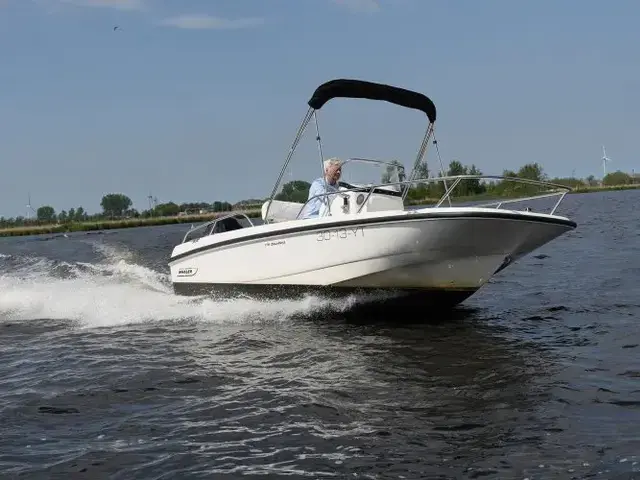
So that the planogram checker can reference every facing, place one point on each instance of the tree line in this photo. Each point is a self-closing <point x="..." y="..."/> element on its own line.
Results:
<point x="530" y="171"/>
<point x="298" y="190"/>
<point x="119" y="206"/>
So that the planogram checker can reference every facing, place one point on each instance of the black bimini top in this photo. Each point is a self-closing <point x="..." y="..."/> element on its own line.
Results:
<point x="347" y="88"/>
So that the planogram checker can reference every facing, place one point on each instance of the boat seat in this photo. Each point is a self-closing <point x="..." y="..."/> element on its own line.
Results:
<point x="281" y="211"/>
<point x="227" y="225"/>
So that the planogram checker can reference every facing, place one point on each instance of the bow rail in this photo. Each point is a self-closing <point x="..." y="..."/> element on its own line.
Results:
<point x="229" y="221"/>
<point x="376" y="188"/>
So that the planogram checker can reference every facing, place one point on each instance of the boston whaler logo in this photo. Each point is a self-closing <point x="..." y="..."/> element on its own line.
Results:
<point x="187" y="272"/>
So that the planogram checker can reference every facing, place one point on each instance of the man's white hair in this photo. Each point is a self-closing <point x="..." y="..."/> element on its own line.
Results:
<point x="331" y="161"/>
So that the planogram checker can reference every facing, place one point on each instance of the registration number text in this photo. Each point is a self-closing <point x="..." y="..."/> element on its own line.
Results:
<point x="340" y="233"/>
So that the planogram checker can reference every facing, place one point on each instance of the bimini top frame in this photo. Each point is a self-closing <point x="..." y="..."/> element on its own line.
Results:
<point x="349" y="88"/>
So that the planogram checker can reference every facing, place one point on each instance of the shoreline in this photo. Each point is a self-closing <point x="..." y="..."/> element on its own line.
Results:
<point x="496" y="198"/>
<point x="631" y="186"/>
<point x="99" y="225"/>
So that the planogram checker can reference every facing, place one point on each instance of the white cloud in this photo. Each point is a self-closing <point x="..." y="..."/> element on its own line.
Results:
<point x="202" y="21"/>
<point x="118" y="4"/>
<point x="362" y="6"/>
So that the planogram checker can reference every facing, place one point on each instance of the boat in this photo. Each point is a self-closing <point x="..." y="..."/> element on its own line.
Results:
<point x="365" y="239"/>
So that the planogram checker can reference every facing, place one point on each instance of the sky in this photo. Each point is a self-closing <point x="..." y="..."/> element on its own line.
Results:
<point x="199" y="100"/>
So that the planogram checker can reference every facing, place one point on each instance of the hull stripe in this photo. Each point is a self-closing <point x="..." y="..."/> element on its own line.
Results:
<point x="569" y="224"/>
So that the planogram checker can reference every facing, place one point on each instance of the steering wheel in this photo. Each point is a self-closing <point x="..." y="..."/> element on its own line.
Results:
<point x="352" y="188"/>
<point x="380" y="191"/>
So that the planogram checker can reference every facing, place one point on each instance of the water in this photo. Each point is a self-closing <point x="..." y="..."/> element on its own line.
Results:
<point x="105" y="373"/>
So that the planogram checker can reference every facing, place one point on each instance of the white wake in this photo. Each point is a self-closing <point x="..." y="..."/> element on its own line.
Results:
<point x="118" y="291"/>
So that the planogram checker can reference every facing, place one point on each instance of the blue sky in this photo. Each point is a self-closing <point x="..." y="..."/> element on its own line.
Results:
<point x="200" y="99"/>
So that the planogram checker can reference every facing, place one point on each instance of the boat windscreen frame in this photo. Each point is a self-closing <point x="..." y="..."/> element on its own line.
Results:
<point x="352" y="88"/>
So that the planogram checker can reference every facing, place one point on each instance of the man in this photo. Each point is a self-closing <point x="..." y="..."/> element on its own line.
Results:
<point x="332" y="172"/>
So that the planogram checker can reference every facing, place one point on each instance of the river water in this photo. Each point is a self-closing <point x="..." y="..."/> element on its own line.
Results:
<point x="105" y="373"/>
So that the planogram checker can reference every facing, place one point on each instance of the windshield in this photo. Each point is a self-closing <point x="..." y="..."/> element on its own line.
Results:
<point x="364" y="171"/>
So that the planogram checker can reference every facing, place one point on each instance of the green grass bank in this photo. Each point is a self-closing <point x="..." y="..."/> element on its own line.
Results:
<point x="112" y="224"/>
<point x="488" y="197"/>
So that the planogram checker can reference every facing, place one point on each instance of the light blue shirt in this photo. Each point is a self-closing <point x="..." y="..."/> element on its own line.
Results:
<point x="312" y="209"/>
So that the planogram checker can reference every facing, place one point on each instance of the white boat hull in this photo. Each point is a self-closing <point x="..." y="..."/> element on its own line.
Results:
<point x="447" y="251"/>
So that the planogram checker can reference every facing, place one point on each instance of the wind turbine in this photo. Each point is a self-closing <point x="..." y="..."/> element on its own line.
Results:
<point x="29" y="207"/>
<point x="605" y="159"/>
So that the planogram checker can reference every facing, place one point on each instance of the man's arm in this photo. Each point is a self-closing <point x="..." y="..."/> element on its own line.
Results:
<point x="316" y="188"/>
<point x="312" y="206"/>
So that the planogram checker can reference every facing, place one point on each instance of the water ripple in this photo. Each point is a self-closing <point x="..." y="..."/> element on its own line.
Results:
<point x="105" y="373"/>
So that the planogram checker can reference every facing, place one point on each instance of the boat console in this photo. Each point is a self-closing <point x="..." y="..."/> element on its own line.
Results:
<point x="344" y="202"/>
<point x="363" y="200"/>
